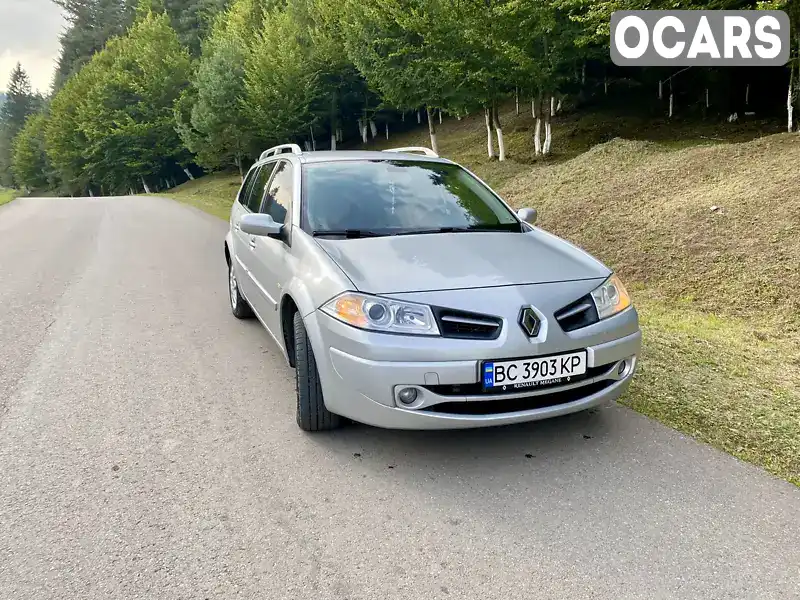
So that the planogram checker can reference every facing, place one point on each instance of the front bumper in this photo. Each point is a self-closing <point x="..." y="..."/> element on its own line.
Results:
<point x="365" y="389"/>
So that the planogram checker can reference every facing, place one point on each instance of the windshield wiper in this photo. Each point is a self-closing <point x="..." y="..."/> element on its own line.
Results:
<point x="347" y="233"/>
<point x="472" y="228"/>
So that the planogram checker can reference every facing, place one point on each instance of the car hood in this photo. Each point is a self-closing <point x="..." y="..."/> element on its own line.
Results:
<point x="451" y="261"/>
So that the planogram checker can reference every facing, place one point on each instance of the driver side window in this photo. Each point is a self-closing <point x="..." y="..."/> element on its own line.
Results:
<point x="247" y="186"/>
<point x="257" y="193"/>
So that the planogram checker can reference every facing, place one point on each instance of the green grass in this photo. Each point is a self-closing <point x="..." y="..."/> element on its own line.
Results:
<point x="717" y="290"/>
<point x="213" y="194"/>
<point x="7" y="195"/>
<point x="712" y="378"/>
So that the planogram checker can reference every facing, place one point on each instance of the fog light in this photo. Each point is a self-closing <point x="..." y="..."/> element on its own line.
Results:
<point x="622" y="367"/>
<point x="407" y="395"/>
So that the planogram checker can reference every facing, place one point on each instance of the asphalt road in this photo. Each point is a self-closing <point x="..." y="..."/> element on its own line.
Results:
<point x="148" y="450"/>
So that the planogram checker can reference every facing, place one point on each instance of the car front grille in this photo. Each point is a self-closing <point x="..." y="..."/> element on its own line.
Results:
<point x="509" y="405"/>
<point x="578" y="314"/>
<point x="467" y="326"/>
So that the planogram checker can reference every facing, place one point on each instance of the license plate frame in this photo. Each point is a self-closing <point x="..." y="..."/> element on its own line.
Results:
<point x="530" y="380"/>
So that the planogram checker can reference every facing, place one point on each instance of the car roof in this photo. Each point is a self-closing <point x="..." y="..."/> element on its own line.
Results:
<point x="344" y="155"/>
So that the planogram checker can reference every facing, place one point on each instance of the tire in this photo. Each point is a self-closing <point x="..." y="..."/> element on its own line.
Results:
<point x="311" y="412"/>
<point x="239" y="306"/>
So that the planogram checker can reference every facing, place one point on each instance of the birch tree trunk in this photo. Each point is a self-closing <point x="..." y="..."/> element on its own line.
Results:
<point x="548" y="132"/>
<point x="516" y="98"/>
<point x="707" y="103"/>
<point x="537" y="136"/>
<point x="440" y="116"/>
<point x="387" y="130"/>
<point x="334" y="123"/>
<point x="419" y="117"/>
<point x="789" y="104"/>
<point x="583" y="74"/>
<point x="432" y="130"/>
<point x="501" y="144"/>
<point x="533" y="107"/>
<point x="313" y="141"/>
<point x="670" y="98"/>
<point x="660" y="90"/>
<point x="373" y="128"/>
<point x="747" y="95"/>
<point x="239" y="164"/>
<point x="144" y="184"/>
<point x="489" y="136"/>
<point x="552" y="105"/>
<point x="188" y="174"/>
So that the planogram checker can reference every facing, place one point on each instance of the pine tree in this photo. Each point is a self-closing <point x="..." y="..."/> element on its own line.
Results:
<point x="19" y="105"/>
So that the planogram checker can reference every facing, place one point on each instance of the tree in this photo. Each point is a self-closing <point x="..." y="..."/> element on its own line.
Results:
<point x="192" y="20"/>
<point x="112" y="124"/>
<point x="403" y="49"/>
<point x="91" y="24"/>
<point x="30" y="165"/>
<point x="19" y="105"/>
<point x="210" y="117"/>
<point x="280" y="81"/>
<point x="66" y="141"/>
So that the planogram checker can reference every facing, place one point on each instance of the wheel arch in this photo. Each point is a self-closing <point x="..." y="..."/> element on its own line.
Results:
<point x="288" y="309"/>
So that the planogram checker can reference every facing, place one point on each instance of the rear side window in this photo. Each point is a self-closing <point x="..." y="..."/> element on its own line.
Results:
<point x="278" y="201"/>
<point x="260" y="184"/>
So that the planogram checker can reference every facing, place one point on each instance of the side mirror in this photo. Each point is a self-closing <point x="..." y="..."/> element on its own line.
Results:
<point x="528" y="215"/>
<point x="260" y="224"/>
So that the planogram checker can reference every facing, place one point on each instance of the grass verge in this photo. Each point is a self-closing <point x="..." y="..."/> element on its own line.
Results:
<point x="7" y="195"/>
<point x="213" y="194"/>
<point x="703" y="224"/>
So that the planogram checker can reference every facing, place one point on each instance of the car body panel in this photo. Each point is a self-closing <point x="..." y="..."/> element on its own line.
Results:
<point x="468" y="260"/>
<point x="488" y="273"/>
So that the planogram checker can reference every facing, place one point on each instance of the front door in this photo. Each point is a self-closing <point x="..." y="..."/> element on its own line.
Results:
<point x="245" y="243"/>
<point x="241" y="240"/>
<point x="271" y="256"/>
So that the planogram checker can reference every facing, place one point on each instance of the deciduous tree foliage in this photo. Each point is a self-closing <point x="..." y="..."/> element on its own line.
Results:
<point x="29" y="163"/>
<point x="136" y="107"/>
<point x="113" y="123"/>
<point x="210" y="115"/>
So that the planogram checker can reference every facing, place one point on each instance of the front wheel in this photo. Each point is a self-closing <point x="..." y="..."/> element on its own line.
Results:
<point x="239" y="306"/>
<point x="311" y="412"/>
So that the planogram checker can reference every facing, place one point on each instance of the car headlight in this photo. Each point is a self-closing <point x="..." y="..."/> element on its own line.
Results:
<point x="382" y="314"/>
<point x="611" y="297"/>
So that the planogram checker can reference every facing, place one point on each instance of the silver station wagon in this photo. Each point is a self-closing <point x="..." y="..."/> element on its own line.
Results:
<point x="405" y="293"/>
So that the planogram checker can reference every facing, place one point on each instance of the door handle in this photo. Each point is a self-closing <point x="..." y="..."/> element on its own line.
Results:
<point x="253" y="243"/>
<point x="237" y="226"/>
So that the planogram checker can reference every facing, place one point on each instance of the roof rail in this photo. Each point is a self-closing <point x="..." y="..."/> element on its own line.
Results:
<point x="282" y="149"/>
<point x="425" y="151"/>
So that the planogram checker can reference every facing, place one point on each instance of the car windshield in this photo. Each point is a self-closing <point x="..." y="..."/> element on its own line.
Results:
<point x="393" y="197"/>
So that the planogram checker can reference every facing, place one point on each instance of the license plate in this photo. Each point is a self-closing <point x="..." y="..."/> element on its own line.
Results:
<point x="533" y="372"/>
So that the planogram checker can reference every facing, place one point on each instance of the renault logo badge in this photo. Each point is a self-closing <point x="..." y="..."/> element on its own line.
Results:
<point x="529" y="321"/>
